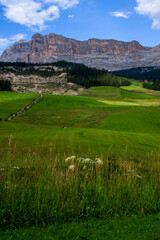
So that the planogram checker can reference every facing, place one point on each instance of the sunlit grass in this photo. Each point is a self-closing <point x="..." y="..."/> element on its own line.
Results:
<point x="12" y="102"/>
<point x="120" y="128"/>
<point x="54" y="188"/>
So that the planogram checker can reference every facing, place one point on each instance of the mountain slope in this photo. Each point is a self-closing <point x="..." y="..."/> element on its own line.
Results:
<point x="108" y="54"/>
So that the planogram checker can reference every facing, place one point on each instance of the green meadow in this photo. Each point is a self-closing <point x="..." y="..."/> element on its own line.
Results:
<point x="101" y="122"/>
<point x="77" y="157"/>
<point x="11" y="102"/>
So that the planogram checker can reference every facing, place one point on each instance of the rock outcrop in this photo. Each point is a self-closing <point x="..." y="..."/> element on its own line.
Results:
<point x="108" y="54"/>
<point x="25" y="82"/>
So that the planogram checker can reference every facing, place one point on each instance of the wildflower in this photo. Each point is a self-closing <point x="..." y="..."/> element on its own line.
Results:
<point x="70" y="158"/>
<point x="87" y="160"/>
<point x="80" y="159"/>
<point x="2" y="169"/>
<point x="15" y="167"/>
<point x="71" y="167"/>
<point x="99" y="161"/>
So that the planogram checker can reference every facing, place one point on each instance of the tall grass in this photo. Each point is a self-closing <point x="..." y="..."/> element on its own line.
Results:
<point x="52" y="189"/>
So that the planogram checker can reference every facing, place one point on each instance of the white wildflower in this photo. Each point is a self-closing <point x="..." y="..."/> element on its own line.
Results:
<point x="2" y="169"/>
<point x="15" y="167"/>
<point x="70" y="158"/>
<point x="71" y="167"/>
<point x="84" y="160"/>
<point x="80" y="159"/>
<point x="87" y="160"/>
<point x="99" y="161"/>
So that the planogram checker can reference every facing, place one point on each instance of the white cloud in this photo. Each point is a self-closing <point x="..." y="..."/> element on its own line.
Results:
<point x="64" y="3"/>
<point x="70" y="16"/>
<point x="150" y="8"/>
<point x="35" y="13"/>
<point x="17" y="37"/>
<point x="29" y="12"/>
<point x="5" y="42"/>
<point x="122" y="14"/>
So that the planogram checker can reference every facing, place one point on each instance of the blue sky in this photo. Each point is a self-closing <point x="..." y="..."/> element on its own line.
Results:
<point x="124" y="20"/>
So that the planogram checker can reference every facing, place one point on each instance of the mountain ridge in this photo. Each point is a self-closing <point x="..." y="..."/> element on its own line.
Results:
<point x="100" y="53"/>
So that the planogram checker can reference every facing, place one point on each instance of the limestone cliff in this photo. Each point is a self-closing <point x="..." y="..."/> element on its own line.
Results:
<point x="109" y="54"/>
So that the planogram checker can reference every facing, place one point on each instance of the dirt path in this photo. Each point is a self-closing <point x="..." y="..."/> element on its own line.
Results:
<point x="26" y="108"/>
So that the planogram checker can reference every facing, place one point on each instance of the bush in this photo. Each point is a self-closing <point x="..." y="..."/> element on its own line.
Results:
<point x="5" y="85"/>
<point x="154" y="85"/>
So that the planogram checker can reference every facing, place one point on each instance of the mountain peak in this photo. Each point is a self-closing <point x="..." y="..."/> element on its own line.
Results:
<point x="37" y="35"/>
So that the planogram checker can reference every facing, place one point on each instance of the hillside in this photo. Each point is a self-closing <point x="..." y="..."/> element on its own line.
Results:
<point x="60" y="78"/>
<point x="141" y="73"/>
<point x="39" y="78"/>
<point x="74" y="157"/>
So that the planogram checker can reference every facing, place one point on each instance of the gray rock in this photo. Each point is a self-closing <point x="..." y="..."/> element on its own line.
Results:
<point x="108" y="54"/>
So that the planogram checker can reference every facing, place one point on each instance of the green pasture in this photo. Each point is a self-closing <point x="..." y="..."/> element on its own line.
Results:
<point x="126" y="228"/>
<point x="119" y="127"/>
<point x="137" y="87"/>
<point x="12" y="102"/>
<point x="113" y="93"/>
<point x="122" y="97"/>
<point x="105" y="120"/>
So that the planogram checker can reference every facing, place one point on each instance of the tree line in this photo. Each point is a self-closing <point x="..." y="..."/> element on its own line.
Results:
<point x="140" y="73"/>
<point x="26" y="69"/>
<point x="155" y="85"/>
<point x="76" y="73"/>
<point x="89" y="77"/>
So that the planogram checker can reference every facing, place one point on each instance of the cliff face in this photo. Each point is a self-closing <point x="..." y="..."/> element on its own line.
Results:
<point x="109" y="54"/>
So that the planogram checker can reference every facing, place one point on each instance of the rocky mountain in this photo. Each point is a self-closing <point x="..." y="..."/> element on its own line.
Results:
<point x="108" y="54"/>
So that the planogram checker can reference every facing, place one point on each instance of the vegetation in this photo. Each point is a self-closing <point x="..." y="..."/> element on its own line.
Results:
<point x="149" y="76"/>
<point x="89" y="77"/>
<point x="83" y="167"/>
<point x="43" y="70"/>
<point x="71" y="158"/>
<point x="57" y="189"/>
<point x="153" y="85"/>
<point x="141" y="73"/>
<point x="126" y="228"/>
<point x="77" y="73"/>
<point x="5" y="85"/>
<point x="11" y="102"/>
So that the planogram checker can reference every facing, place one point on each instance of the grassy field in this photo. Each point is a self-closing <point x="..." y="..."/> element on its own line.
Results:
<point x="104" y="121"/>
<point x="113" y="136"/>
<point x="127" y="228"/>
<point x="12" y="102"/>
<point x="137" y="86"/>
